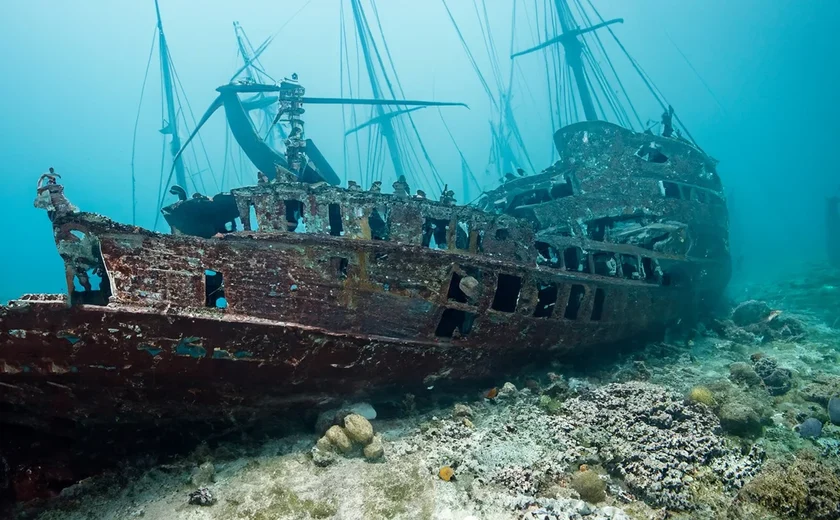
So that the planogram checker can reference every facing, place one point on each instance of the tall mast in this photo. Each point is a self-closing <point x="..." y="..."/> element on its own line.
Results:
<point x="574" y="49"/>
<point x="171" y="127"/>
<point x="385" y="126"/>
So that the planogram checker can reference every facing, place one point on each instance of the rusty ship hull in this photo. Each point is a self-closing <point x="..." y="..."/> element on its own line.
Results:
<point x="624" y="236"/>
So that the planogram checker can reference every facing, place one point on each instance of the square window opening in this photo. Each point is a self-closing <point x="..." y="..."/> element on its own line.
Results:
<point x="454" y="323"/>
<point x="294" y="216"/>
<point x="339" y="266"/>
<point x="502" y="234"/>
<point x="336" y="224"/>
<point x="462" y="236"/>
<point x="605" y="264"/>
<point x="575" y="260"/>
<point x="630" y="267"/>
<point x="576" y="295"/>
<point x="455" y="293"/>
<point x="435" y="232"/>
<point x="546" y="300"/>
<point x="214" y="290"/>
<point x="507" y="293"/>
<point x="598" y="306"/>
<point x="650" y="267"/>
<point x="90" y="287"/>
<point x="547" y="255"/>
<point x="672" y="190"/>
<point x="253" y="223"/>
<point x="378" y="223"/>
<point x="560" y="190"/>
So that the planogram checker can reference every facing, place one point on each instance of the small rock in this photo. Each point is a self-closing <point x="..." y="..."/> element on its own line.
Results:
<point x="462" y="410"/>
<point x="374" y="450"/>
<point x="810" y="428"/>
<point x="202" y="497"/>
<point x="507" y="391"/>
<point x="834" y="410"/>
<point x="338" y="437"/>
<point x="358" y="428"/>
<point x="580" y="507"/>
<point x="203" y="475"/>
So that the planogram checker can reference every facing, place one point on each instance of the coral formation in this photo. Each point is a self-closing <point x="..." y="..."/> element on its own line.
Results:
<point x="701" y="394"/>
<point x="202" y="497"/>
<point x="589" y="486"/>
<point x="743" y="373"/>
<point x="805" y="488"/>
<point x="650" y="437"/>
<point x="777" y="380"/>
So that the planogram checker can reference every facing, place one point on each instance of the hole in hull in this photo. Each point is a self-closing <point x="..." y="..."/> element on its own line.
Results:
<point x="507" y="293"/>
<point x="598" y="307"/>
<point x="575" y="300"/>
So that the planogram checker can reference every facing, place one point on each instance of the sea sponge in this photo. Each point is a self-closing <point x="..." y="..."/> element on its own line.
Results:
<point x="374" y="450"/>
<point x="446" y="473"/>
<point x="358" y="428"/>
<point x="338" y="437"/>
<point x="701" y="394"/>
<point x="806" y="488"/>
<point x="589" y="486"/>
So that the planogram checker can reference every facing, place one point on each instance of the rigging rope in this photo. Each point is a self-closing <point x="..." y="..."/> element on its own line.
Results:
<point x="609" y="62"/>
<point x="470" y="56"/>
<point x="162" y="153"/>
<point x="460" y="153"/>
<point x="195" y="122"/>
<point x="136" y="125"/>
<point x="391" y="90"/>
<point x="696" y="73"/>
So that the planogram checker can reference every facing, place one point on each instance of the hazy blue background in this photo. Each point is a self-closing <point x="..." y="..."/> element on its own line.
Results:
<point x="72" y="73"/>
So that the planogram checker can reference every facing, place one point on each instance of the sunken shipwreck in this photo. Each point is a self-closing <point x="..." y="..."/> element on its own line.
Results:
<point x="308" y="294"/>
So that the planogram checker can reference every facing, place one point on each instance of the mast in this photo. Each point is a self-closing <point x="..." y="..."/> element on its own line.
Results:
<point x="574" y="49"/>
<point x="171" y="127"/>
<point x="385" y="126"/>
